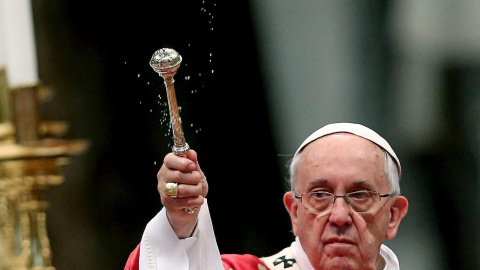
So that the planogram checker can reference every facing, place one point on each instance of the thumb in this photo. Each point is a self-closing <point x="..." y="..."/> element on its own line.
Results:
<point x="192" y="155"/>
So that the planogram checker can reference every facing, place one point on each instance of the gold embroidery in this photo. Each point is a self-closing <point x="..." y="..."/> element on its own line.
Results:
<point x="261" y="267"/>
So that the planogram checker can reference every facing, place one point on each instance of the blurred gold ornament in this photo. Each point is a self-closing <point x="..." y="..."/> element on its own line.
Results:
<point x="30" y="161"/>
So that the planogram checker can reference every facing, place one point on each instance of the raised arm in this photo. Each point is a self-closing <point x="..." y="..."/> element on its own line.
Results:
<point x="192" y="190"/>
<point x="166" y="241"/>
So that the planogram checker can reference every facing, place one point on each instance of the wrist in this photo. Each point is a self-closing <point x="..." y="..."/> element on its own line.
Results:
<point x="183" y="224"/>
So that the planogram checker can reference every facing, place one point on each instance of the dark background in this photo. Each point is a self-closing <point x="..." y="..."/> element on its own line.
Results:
<point x="96" y="58"/>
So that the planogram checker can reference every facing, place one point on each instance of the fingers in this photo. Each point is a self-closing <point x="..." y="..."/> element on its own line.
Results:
<point x="189" y="190"/>
<point x="185" y="190"/>
<point x="171" y="176"/>
<point x="174" y="162"/>
<point x="185" y="171"/>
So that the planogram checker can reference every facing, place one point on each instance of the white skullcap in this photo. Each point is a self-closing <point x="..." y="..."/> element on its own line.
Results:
<point x="356" y="129"/>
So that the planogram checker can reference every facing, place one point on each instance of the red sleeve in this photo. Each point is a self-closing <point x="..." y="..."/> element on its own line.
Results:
<point x="133" y="260"/>
<point x="242" y="262"/>
<point x="230" y="261"/>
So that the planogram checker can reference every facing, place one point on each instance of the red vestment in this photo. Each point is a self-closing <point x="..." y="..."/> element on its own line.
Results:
<point x="230" y="261"/>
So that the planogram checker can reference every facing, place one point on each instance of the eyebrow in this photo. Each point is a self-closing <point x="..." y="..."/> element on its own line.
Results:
<point x="364" y="183"/>
<point x="318" y="182"/>
<point x="324" y="182"/>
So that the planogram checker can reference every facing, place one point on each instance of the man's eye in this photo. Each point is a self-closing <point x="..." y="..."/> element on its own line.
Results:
<point x="320" y="194"/>
<point x="360" y="195"/>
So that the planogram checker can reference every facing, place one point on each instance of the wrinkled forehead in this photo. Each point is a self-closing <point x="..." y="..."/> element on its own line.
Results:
<point x="342" y="148"/>
<point x="342" y="158"/>
<point x="342" y="141"/>
<point x="355" y="129"/>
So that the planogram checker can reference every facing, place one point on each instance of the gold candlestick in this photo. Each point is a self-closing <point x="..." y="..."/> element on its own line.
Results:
<point x="30" y="161"/>
<point x="166" y="62"/>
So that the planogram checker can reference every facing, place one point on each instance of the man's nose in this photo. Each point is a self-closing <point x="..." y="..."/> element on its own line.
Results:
<point x="340" y="213"/>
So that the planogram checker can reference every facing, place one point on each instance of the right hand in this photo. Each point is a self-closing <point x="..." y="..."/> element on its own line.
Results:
<point x="192" y="190"/>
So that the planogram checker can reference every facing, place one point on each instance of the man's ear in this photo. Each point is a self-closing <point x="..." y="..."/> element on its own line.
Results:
<point x="397" y="212"/>
<point x="291" y="205"/>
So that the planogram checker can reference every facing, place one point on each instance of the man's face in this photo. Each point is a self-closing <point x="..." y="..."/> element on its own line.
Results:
<point x="342" y="238"/>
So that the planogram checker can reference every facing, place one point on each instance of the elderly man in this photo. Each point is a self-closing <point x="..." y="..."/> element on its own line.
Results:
<point x="344" y="201"/>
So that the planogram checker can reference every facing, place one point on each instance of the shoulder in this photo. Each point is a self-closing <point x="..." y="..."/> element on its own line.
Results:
<point x="242" y="262"/>
<point x="133" y="259"/>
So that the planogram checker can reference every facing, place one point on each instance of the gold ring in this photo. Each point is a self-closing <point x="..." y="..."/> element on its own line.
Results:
<point x="171" y="190"/>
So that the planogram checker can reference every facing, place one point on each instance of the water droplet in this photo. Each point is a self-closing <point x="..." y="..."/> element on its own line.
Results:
<point x="138" y="76"/>
<point x="140" y="102"/>
<point x="191" y="125"/>
<point x="199" y="74"/>
<point x="154" y="163"/>
<point x="188" y="44"/>
<point x="125" y="63"/>
<point x="148" y="83"/>
<point x="151" y="110"/>
<point x="210" y="54"/>
<point x="212" y="70"/>
<point x="211" y="29"/>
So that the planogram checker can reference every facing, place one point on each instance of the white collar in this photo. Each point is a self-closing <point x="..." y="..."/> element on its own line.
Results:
<point x="302" y="259"/>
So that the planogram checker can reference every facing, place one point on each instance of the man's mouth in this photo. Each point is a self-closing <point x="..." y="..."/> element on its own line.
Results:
<point x="339" y="241"/>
